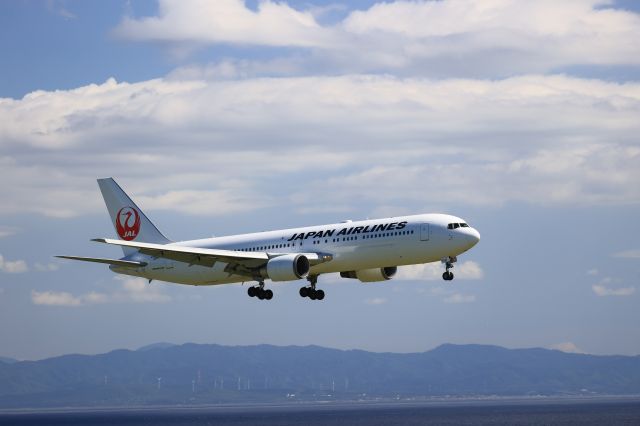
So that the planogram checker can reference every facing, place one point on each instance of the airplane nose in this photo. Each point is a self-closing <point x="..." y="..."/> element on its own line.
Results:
<point x="474" y="236"/>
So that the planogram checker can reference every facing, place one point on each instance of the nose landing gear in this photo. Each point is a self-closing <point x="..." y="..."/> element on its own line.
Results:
<point x="311" y="291"/>
<point x="259" y="292"/>
<point x="448" y="261"/>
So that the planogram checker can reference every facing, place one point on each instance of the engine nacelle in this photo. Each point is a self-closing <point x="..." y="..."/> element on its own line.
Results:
<point x="371" y="275"/>
<point x="288" y="267"/>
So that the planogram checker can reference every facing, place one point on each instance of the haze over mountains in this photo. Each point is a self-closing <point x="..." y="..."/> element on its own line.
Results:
<point x="206" y="374"/>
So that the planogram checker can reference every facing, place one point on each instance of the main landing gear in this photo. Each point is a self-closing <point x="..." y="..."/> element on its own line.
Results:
<point x="448" y="261"/>
<point x="259" y="292"/>
<point x="311" y="291"/>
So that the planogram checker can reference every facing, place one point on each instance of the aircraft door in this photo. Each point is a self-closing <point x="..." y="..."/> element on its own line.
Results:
<point x="424" y="232"/>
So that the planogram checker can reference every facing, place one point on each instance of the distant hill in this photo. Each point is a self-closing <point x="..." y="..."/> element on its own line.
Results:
<point x="198" y="374"/>
<point x="160" y="345"/>
<point x="7" y="360"/>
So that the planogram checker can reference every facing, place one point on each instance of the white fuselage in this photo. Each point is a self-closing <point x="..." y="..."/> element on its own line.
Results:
<point x="357" y="245"/>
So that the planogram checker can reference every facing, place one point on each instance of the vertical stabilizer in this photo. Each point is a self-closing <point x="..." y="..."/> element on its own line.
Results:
<point x="130" y="223"/>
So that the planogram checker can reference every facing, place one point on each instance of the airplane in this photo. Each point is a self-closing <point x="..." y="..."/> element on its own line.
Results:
<point x="367" y="250"/>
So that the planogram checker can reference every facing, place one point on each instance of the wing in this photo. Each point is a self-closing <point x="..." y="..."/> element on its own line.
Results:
<point x="239" y="262"/>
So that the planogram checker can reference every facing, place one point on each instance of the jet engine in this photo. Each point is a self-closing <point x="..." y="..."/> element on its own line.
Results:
<point x="288" y="267"/>
<point x="371" y="275"/>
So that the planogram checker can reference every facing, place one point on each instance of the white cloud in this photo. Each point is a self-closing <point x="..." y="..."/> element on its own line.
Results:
<point x="426" y="271"/>
<point x="467" y="270"/>
<point x="223" y="201"/>
<point x="438" y="291"/>
<point x="132" y="290"/>
<point x="7" y="231"/>
<point x="62" y="298"/>
<point x="53" y="298"/>
<point x="568" y="347"/>
<point x="375" y="301"/>
<point x="449" y="37"/>
<point x="46" y="267"/>
<point x="448" y="294"/>
<point x="460" y="298"/>
<point x="628" y="254"/>
<point x="224" y="145"/>
<point x="138" y="290"/>
<point x="96" y="298"/>
<point x="593" y="271"/>
<point x="602" y="290"/>
<point x="58" y="7"/>
<point x="13" y="266"/>
<point x="227" y="21"/>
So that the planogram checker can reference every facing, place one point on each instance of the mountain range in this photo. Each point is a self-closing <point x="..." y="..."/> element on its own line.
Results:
<point x="208" y="374"/>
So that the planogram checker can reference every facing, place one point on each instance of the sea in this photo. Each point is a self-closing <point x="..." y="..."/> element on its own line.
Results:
<point x="610" y="412"/>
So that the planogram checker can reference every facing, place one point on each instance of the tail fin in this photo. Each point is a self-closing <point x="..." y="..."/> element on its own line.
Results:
<point x="127" y="218"/>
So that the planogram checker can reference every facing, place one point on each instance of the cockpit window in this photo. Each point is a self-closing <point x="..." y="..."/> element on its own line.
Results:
<point x="457" y="225"/>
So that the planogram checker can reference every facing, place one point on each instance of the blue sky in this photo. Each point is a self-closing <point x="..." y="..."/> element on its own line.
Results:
<point x="521" y="118"/>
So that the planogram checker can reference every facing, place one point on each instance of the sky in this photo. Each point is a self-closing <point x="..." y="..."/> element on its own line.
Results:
<point x="226" y="117"/>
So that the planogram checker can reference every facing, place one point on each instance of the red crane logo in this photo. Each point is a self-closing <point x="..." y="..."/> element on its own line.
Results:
<point x="128" y="223"/>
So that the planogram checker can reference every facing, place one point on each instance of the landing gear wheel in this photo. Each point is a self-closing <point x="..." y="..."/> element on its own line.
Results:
<point x="260" y="292"/>
<point x="448" y="261"/>
<point x="311" y="291"/>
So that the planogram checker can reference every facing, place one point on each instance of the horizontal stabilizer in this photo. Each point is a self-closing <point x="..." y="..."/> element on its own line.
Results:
<point x="116" y="262"/>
